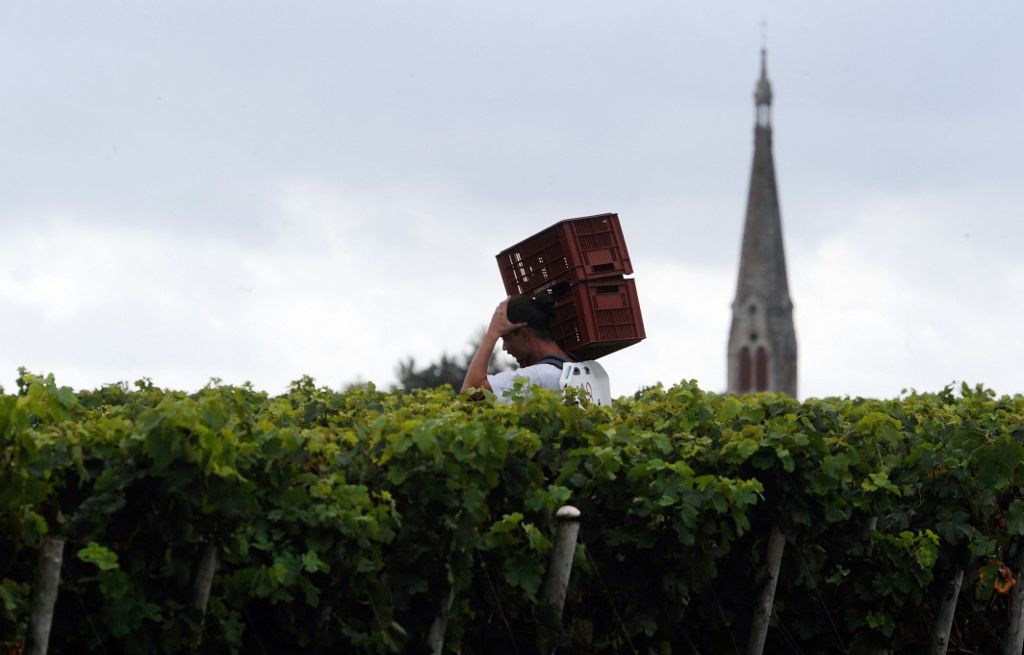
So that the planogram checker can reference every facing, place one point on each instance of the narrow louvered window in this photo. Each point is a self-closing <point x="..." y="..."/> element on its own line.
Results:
<point x="761" y="369"/>
<point x="744" y="370"/>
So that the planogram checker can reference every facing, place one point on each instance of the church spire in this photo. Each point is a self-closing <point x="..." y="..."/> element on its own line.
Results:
<point x="763" y="94"/>
<point x="762" y="339"/>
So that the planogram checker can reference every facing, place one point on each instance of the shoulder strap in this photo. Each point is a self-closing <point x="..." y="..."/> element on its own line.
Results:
<point x="554" y="360"/>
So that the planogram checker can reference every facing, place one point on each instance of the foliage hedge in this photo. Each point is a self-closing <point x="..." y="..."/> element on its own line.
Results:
<point x="341" y="517"/>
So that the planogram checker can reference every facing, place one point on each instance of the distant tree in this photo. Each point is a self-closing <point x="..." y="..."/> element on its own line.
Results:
<point x="449" y="369"/>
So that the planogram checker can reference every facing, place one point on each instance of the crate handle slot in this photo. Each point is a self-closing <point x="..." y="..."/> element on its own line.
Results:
<point x="560" y="289"/>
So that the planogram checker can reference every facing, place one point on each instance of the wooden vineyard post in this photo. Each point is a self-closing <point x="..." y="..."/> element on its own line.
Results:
<point x="204" y="578"/>
<point x="44" y="595"/>
<point x="763" y="609"/>
<point x="201" y="588"/>
<point x="871" y="526"/>
<point x="556" y="580"/>
<point x="1013" y="644"/>
<point x="947" y="610"/>
<point x="435" y="638"/>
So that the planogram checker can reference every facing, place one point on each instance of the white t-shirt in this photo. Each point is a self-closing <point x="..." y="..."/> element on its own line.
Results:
<point x="543" y="374"/>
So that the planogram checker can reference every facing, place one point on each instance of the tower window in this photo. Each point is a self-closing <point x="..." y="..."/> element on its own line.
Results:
<point x="744" y="369"/>
<point x="761" y="369"/>
<point x="753" y="309"/>
<point x="753" y="336"/>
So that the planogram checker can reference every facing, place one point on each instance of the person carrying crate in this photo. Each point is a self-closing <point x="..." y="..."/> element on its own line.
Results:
<point x="523" y="323"/>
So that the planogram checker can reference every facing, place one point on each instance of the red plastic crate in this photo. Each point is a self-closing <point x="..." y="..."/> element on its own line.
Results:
<point x="572" y="250"/>
<point x="598" y="317"/>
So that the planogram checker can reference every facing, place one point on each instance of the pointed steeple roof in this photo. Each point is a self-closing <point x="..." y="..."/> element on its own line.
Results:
<point x="763" y="91"/>
<point x="762" y="258"/>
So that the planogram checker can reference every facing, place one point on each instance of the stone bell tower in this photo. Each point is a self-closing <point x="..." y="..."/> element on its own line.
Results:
<point x="762" y="339"/>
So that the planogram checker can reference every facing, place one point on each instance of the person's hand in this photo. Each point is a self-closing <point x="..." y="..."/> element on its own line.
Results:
<point x="500" y="325"/>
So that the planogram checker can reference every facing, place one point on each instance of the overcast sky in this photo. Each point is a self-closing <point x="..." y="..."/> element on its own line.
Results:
<point x="259" y="190"/>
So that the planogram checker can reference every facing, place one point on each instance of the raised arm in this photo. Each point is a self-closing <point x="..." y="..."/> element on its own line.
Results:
<point x="476" y="374"/>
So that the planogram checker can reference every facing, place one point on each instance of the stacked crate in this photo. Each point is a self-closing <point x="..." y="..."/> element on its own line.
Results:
<point x="582" y="262"/>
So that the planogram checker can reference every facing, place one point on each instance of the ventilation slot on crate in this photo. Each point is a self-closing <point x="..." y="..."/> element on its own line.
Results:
<point x="573" y="250"/>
